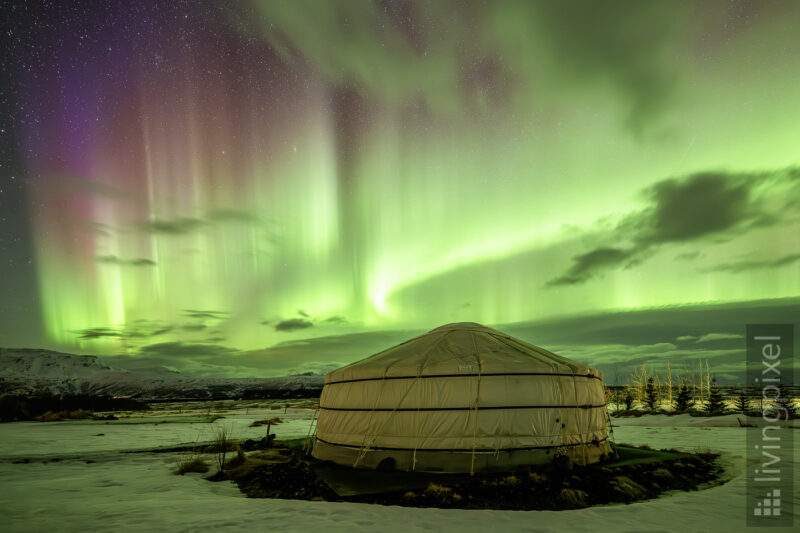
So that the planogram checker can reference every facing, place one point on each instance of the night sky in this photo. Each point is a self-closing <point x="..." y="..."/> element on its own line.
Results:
<point x="262" y="187"/>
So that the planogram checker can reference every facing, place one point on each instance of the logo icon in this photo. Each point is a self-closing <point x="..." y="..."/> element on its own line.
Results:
<point x="770" y="505"/>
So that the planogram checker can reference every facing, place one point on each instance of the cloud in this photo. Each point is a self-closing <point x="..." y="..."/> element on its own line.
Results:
<point x="317" y="355"/>
<point x="656" y="325"/>
<point x="231" y="215"/>
<point x="176" y="226"/>
<point x="335" y="320"/>
<point x="719" y="336"/>
<point x="135" y="330"/>
<point x="97" y="333"/>
<point x="445" y="53"/>
<point x="702" y="204"/>
<point x="755" y="264"/>
<point x="186" y="225"/>
<point x="594" y="44"/>
<point x="696" y="207"/>
<point x="614" y="343"/>
<point x="203" y="313"/>
<point x="193" y="327"/>
<point x="114" y="260"/>
<point x="293" y="324"/>
<point x="181" y="349"/>
<point x="586" y="266"/>
<point x="100" y="229"/>
<point x="617" y="342"/>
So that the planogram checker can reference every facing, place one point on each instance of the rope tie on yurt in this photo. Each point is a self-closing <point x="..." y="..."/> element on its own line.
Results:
<point x="417" y="425"/>
<point x="365" y="445"/>
<point x="577" y="414"/>
<point x="416" y="443"/>
<point x="496" y="452"/>
<point x="477" y="399"/>
<point x="557" y="433"/>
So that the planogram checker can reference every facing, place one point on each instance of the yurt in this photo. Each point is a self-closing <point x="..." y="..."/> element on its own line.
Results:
<point x="462" y="398"/>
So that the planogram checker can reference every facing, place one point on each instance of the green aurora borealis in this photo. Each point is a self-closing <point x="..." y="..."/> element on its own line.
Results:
<point x="232" y="179"/>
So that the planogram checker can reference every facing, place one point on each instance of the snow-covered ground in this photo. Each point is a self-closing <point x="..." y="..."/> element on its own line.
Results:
<point x="94" y="486"/>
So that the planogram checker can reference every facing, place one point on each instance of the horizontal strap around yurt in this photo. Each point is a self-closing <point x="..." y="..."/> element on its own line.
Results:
<point x="481" y="450"/>
<point x="478" y="408"/>
<point x="466" y="376"/>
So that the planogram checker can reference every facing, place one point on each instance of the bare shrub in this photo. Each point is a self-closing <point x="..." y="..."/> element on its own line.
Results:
<point x="223" y="443"/>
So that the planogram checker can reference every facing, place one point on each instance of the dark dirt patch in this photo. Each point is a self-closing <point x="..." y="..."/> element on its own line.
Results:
<point x="284" y="472"/>
<point x="556" y="490"/>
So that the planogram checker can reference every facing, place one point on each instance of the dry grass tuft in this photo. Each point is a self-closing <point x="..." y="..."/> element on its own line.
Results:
<point x="438" y="489"/>
<point x="271" y="456"/>
<point x="573" y="498"/>
<point x="236" y="461"/>
<point x="77" y="414"/>
<point x="266" y="421"/>
<point x="245" y="468"/>
<point x="537" y="477"/>
<point x="627" y="489"/>
<point x="662" y="474"/>
<point x="192" y="464"/>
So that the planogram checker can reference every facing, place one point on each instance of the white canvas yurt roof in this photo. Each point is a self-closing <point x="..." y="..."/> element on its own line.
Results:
<point x="461" y="398"/>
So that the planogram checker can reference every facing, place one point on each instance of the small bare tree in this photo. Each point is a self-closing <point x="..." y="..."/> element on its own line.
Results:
<point x="639" y="382"/>
<point x="669" y="383"/>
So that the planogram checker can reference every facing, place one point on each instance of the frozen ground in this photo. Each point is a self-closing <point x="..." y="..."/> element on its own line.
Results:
<point x="80" y="478"/>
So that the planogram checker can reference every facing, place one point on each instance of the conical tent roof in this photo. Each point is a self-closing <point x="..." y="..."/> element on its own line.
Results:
<point x="458" y="349"/>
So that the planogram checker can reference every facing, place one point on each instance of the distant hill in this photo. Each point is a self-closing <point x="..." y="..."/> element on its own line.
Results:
<point x="24" y="371"/>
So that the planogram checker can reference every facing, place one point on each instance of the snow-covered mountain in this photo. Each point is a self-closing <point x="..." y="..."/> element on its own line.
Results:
<point x="28" y="370"/>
